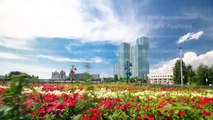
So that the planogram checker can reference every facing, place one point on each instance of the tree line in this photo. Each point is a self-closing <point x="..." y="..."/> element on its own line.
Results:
<point x="202" y="75"/>
<point x="10" y="75"/>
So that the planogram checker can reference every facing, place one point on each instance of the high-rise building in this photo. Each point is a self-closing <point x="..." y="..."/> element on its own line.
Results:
<point x="116" y="69"/>
<point x="140" y="58"/>
<point x="123" y="56"/>
<point x="137" y="54"/>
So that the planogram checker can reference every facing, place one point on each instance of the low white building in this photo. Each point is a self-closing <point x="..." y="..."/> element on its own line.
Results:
<point x="163" y="79"/>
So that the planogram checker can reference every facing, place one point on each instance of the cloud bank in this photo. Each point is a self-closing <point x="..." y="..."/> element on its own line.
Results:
<point x="63" y="59"/>
<point x="189" y="58"/>
<point x="22" y="21"/>
<point x="6" y="55"/>
<point x="190" y="36"/>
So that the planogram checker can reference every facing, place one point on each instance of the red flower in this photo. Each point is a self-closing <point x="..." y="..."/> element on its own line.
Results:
<point x="182" y="113"/>
<point x="118" y="100"/>
<point x="95" y="114"/>
<point x="108" y="103"/>
<point x="120" y="107"/>
<point x="2" y="90"/>
<point x="169" y="112"/>
<point x="206" y="113"/>
<point x="51" y="108"/>
<point x="138" y="118"/>
<point x="162" y="104"/>
<point x="196" y="106"/>
<point x="147" y="107"/>
<point x="149" y="117"/>
<point x="60" y="106"/>
<point x="127" y="105"/>
<point x="41" y="112"/>
<point x="25" y="111"/>
<point x="84" y="117"/>
<point x="206" y="101"/>
<point x="150" y="99"/>
<point x="162" y="95"/>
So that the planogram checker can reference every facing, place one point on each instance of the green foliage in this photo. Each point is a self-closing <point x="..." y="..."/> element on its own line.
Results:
<point x="199" y="76"/>
<point x="13" y="99"/>
<point x="86" y="77"/>
<point x="30" y="78"/>
<point x="176" y="72"/>
<point x="89" y="87"/>
<point x="190" y="74"/>
<point x="202" y="73"/>
<point x="116" y="77"/>
<point x="121" y="79"/>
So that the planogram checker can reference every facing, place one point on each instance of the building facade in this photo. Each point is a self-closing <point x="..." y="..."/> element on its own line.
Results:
<point x="163" y="79"/>
<point x="140" y="58"/>
<point x="59" y="75"/>
<point x="116" y="69"/>
<point x="123" y="56"/>
<point x="81" y="76"/>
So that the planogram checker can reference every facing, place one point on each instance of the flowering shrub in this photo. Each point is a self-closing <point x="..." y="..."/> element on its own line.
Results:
<point x="93" y="102"/>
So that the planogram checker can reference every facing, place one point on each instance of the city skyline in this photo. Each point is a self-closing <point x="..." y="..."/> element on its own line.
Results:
<point x="137" y="54"/>
<point x="42" y="36"/>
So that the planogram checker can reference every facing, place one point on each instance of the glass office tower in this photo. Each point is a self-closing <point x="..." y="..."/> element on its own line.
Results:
<point x="123" y="56"/>
<point x="140" y="58"/>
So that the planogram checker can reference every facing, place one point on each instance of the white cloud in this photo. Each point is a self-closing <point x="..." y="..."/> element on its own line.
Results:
<point x="24" y="20"/>
<point x="6" y="55"/>
<point x="63" y="59"/>
<point x="190" y="36"/>
<point x="165" y="68"/>
<point x="189" y="58"/>
<point x="16" y="43"/>
<point x="96" y="59"/>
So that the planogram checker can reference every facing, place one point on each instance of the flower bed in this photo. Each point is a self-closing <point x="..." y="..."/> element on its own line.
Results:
<point x="112" y="102"/>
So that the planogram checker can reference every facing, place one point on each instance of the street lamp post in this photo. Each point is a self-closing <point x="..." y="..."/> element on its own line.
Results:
<point x="181" y="69"/>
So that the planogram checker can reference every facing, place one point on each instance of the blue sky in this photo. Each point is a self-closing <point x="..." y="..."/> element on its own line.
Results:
<point x="42" y="36"/>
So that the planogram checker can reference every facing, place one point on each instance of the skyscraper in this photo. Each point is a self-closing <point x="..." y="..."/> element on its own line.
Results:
<point x="123" y="56"/>
<point x="137" y="54"/>
<point x="140" y="58"/>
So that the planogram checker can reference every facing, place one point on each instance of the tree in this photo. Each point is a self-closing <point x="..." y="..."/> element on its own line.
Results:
<point x="190" y="74"/>
<point x="176" y="72"/>
<point x="31" y="78"/>
<point x="14" y="73"/>
<point x="202" y="73"/>
<point x="121" y="79"/>
<point x="116" y="77"/>
<point x="86" y="76"/>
